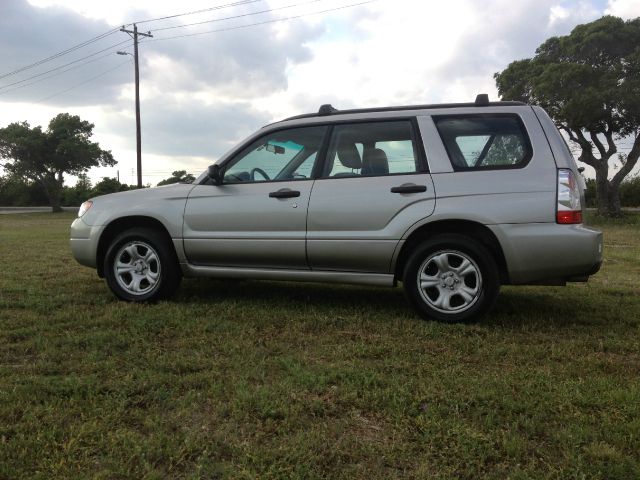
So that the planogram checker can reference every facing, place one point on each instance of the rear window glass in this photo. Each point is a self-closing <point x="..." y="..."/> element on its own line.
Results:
<point x="484" y="141"/>
<point x="372" y="148"/>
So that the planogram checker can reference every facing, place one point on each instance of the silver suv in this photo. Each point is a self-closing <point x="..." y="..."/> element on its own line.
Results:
<point x="451" y="200"/>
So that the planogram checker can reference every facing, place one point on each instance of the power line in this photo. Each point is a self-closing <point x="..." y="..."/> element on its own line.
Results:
<point x="276" y="20"/>
<point x="110" y="32"/>
<point x="61" y="53"/>
<point x="219" y="7"/>
<point x="65" y="65"/>
<point x="82" y="83"/>
<point x="19" y="84"/>
<point x="56" y="74"/>
<point x="238" y="16"/>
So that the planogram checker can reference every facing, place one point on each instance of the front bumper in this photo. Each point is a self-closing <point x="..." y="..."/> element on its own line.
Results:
<point x="84" y="242"/>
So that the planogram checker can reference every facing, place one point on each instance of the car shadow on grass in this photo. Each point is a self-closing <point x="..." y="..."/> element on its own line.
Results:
<point x="556" y="307"/>
<point x="295" y="296"/>
<point x="516" y="307"/>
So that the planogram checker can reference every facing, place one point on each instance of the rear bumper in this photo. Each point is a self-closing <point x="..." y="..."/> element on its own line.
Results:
<point x="538" y="252"/>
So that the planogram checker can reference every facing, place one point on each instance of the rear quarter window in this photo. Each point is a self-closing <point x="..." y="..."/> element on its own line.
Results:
<point x="484" y="142"/>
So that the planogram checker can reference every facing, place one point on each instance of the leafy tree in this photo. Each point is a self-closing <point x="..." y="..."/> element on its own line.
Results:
<point x="630" y="192"/>
<point x="504" y="150"/>
<point x="590" y="193"/>
<point x="83" y="185"/>
<point x="109" y="185"/>
<point x="179" y="176"/>
<point x="589" y="83"/>
<point x="44" y="156"/>
<point x="81" y="191"/>
<point x="17" y="191"/>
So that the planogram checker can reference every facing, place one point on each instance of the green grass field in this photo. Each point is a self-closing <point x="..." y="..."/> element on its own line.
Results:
<point x="283" y="380"/>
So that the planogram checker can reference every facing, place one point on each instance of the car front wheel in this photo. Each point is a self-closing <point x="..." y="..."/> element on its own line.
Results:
<point x="451" y="278"/>
<point x="140" y="265"/>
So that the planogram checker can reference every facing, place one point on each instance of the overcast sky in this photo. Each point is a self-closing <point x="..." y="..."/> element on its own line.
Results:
<point x="202" y="94"/>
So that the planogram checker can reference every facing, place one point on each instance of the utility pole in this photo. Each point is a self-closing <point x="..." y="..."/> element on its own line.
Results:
<point x="135" y="34"/>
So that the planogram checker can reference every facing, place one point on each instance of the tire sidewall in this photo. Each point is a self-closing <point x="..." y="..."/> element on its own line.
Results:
<point x="169" y="272"/>
<point x="456" y="242"/>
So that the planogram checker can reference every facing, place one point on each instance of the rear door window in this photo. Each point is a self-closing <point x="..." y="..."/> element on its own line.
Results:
<point x="371" y="149"/>
<point x="478" y="142"/>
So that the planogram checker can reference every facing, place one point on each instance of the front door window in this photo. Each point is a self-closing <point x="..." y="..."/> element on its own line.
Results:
<point x="282" y="155"/>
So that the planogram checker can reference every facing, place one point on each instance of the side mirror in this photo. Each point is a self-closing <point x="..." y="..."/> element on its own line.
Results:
<point x="214" y="172"/>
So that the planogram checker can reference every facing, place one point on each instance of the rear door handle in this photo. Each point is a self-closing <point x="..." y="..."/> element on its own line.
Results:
<point x="284" y="193"/>
<point x="409" y="188"/>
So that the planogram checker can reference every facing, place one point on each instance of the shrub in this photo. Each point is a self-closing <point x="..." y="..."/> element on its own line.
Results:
<point x="630" y="192"/>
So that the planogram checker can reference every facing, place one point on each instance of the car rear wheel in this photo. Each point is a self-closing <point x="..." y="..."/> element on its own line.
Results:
<point x="140" y="265"/>
<point x="451" y="278"/>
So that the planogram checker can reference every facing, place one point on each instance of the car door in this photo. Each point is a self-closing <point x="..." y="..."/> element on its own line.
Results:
<point x="374" y="186"/>
<point x="257" y="216"/>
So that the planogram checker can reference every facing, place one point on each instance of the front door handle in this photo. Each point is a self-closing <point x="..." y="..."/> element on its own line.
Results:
<point x="409" y="188"/>
<point x="284" y="193"/>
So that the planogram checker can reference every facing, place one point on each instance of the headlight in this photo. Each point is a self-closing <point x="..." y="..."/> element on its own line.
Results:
<point x="84" y="208"/>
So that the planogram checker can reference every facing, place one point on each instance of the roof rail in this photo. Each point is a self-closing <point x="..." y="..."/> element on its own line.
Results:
<point x="482" y="100"/>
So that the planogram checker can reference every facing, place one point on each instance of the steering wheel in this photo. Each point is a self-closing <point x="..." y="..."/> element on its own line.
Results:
<point x="255" y="170"/>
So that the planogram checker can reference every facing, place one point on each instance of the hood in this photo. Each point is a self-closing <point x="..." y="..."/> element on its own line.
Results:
<point x="157" y="202"/>
<point x="164" y="191"/>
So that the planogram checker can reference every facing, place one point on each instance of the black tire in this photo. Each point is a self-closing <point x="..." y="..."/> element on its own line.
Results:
<point x="162" y="266"/>
<point x="452" y="293"/>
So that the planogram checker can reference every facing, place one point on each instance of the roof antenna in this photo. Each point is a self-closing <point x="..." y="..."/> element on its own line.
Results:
<point x="482" y="100"/>
<point x="327" y="109"/>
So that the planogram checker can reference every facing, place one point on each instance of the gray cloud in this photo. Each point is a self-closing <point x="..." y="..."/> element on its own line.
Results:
<point x="311" y="102"/>
<point x="28" y="33"/>
<point x="243" y="63"/>
<point x="189" y="128"/>
<point x="503" y="36"/>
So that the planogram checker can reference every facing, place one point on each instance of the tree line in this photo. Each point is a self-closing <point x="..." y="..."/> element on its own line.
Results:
<point x="36" y="160"/>
<point x="19" y="192"/>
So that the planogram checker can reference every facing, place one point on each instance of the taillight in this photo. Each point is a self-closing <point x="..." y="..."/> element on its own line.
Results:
<point x="569" y="208"/>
